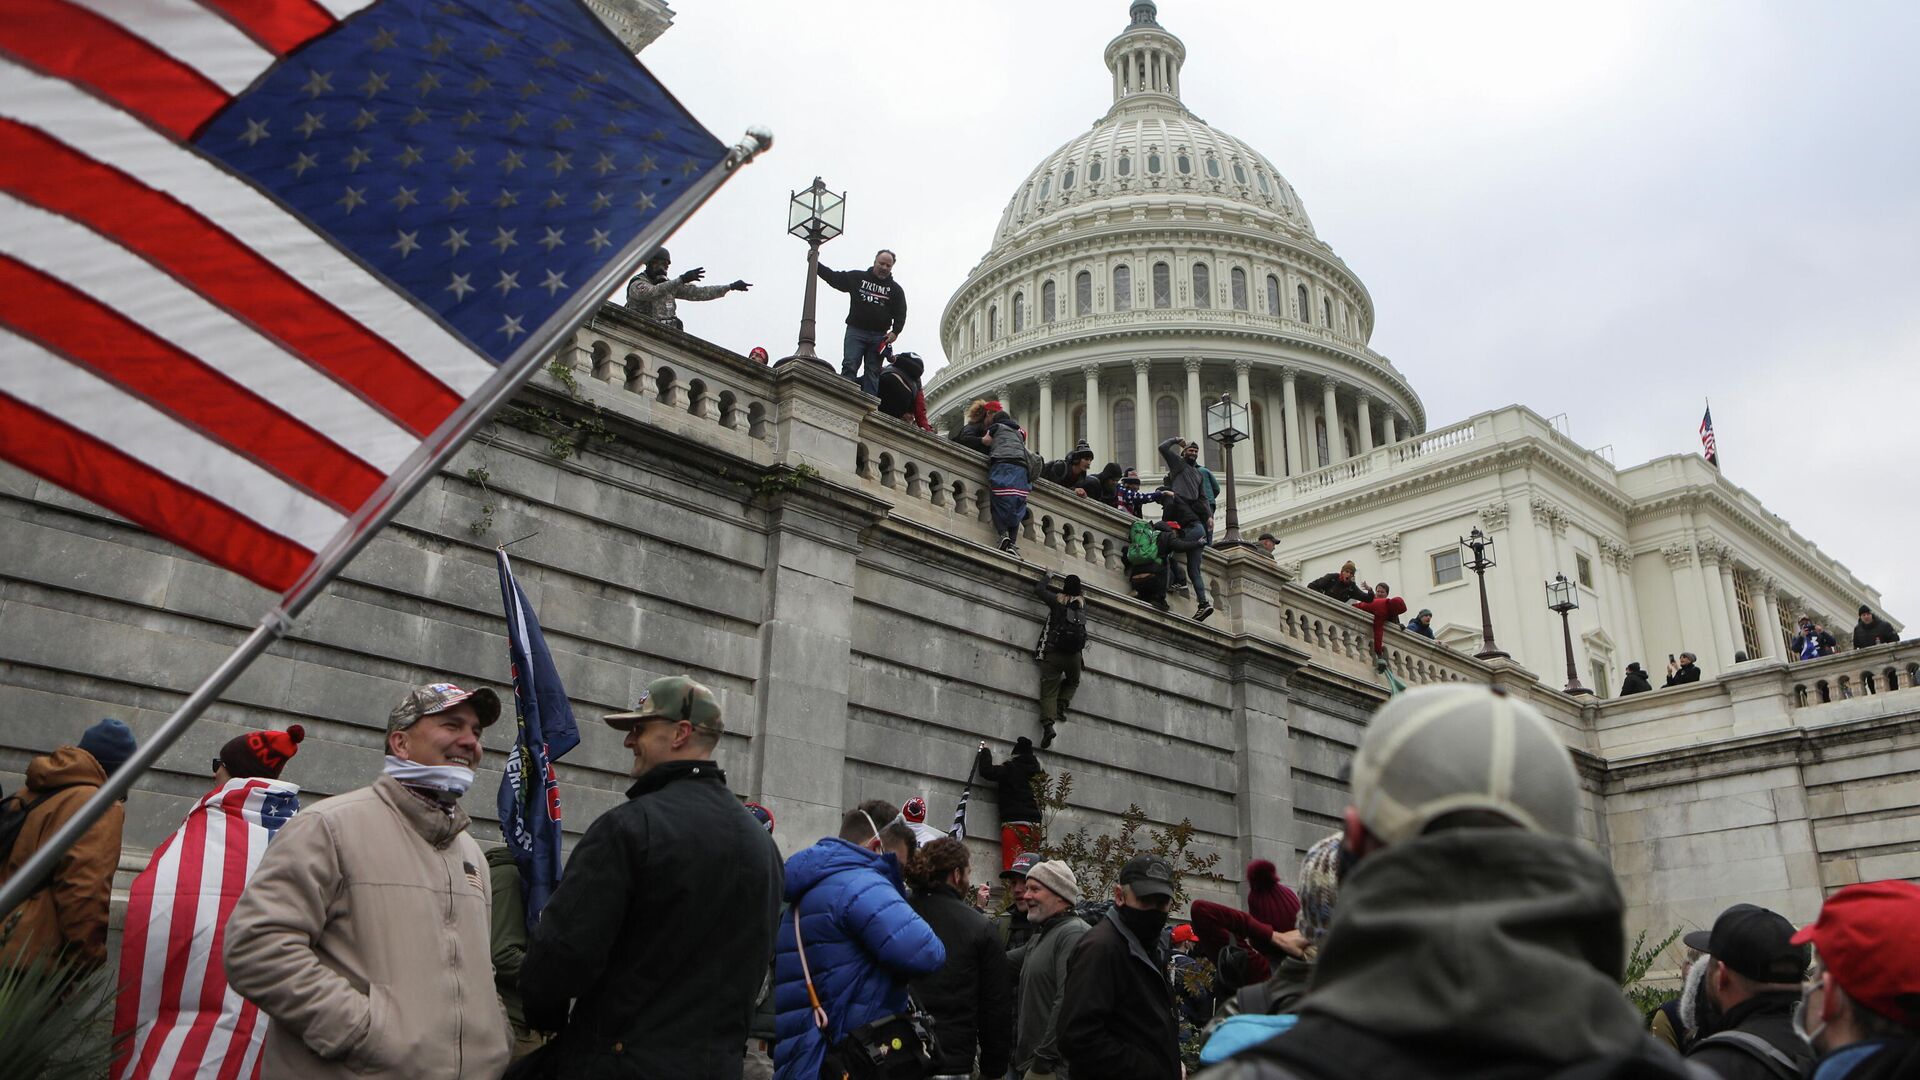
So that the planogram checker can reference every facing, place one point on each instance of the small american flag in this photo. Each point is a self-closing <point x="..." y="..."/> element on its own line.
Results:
<point x="180" y="1016"/>
<point x="1706" y="438"/>
<point x="259" y="259"/>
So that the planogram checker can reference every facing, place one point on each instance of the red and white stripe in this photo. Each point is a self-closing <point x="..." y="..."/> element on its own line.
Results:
<point x="184" y="1020"/>
<point x="174" y="346"/>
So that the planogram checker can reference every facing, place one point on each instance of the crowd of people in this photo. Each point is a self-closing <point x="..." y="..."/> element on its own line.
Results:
<point x="1455" y="925"/>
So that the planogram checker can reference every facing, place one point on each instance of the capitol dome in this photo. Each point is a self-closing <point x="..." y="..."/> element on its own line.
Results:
<point x="1151" y="264"/>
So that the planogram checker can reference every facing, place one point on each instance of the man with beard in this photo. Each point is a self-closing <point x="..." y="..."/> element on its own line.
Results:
<point x="1116" y="1017"/>
<point x="653" y="293"/>
<point x="876" y="314"/>
<point x="1746" y="998"/>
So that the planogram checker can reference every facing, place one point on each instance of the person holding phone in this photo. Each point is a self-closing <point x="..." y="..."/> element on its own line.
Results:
<point x="1681" y="671"/>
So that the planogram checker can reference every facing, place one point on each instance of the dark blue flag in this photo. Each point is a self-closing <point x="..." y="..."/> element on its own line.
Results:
<point x="530" y="792"/>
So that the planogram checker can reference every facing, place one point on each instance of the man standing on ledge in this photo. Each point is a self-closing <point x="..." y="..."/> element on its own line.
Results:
<point x="876" y="314"/>
<point x="653" y="293"/>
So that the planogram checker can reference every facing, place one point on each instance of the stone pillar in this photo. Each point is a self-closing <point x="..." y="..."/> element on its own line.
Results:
<point x="1393" y="427"/>
<point x="1243" y="393"/>
<point x="1097" y="420"/>
<point x="1330" y="410"/>
<point x="1732" y="597"/>
<point x="1275" y="429"/>
<point x="1044" y="422"/>
<point x="1143" y="411"/>
<point x="1766" y="617"/>
<point x="1365" y="423"/>
<point x="1630" y="598"/>
<point x="1296" y="434"/>
<point x="1194" y="414"/>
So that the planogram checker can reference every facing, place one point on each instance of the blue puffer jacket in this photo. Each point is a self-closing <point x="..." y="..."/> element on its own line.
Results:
<point x="863" y="944"/>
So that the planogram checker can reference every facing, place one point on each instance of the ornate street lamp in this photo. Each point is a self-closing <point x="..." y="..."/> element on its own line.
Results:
<point x="815" y="215"/>
<point x="1482" y="547"/>
<point x="1563" y="597"/>
<point x="1227" y="425"/>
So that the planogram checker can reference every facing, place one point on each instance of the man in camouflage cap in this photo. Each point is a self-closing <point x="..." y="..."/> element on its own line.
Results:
<point x="663" y="922"/>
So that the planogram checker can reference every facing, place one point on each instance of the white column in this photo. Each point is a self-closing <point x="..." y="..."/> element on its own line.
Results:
<point x="1766" y="618"/>
<point x="1733" y="608"/>
<point x="1296" y="436"/>
<point x="1393" y="427"/>
<point x="1276" y="450"/>
<point x="1243" y="393"/>
<point x="1194" y="412"/>
<point x="1366" y="423"/>
<point x="1143" y="410"/>
<point x="1705" y="587"/>
<point x="1097" y="421"/>
<point x="1045" y="420"/>
<point x="1330" y="411"/>
<point x="1635" y="638"/>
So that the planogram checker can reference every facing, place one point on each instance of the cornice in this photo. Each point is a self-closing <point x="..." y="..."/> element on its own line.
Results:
<point x="1700" y="497"/>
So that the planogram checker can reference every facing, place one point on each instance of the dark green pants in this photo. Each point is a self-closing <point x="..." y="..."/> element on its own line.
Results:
<point x="1059" y="678"/>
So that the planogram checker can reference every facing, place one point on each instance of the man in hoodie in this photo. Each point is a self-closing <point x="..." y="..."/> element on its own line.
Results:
<point x="1072" y="473"/>
<point x="1019" y="805"/>
<point x="1744" y="1022"/>
<point x="1813" y="640"/>
<point x="1636" y="681"/>
<point x="653" y="294"/>
<point x="364" y="932"/>
<point x="1052" y="891"/>
<point x="876" y="314"/>
<point x="1341" y="585"/>
<point x="1860" y="1006"/>
<point x="1117" y="1019"/>
<point x="862" y="943"/>
<point x="1062" y="642"/>
<point x="900" y="393"/>
<point x="1478" y="934"/>
<point x="1872" y="630"/>
<point x="67" y="913"/>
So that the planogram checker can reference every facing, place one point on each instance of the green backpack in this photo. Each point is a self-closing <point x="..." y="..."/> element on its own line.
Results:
<point x="1143" y="545"/>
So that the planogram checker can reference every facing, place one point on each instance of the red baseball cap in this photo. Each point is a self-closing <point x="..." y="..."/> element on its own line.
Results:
<point x="1866" y="940"/>
<point x="1183" y="933"/>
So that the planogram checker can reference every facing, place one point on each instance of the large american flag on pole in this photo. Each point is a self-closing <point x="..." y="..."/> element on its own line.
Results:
<point x="261" y="260"/>
<point x="1707" y="445"/>
<point x="181" y="1018"/>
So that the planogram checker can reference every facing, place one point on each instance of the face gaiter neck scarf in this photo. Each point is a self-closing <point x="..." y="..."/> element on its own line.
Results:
<point x="450" y="780"/>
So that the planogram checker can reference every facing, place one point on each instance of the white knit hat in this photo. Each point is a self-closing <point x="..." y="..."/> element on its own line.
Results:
<point x="1058" y="878"/>
<point x="1443" y="749"/>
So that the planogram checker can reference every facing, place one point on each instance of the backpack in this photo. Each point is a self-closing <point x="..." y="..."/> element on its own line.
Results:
<point x="1068" y="630"/>
<point x="1143" y="545"/>
<point x="13" y="817"/>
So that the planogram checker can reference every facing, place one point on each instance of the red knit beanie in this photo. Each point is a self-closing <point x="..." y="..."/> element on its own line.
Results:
<point x="261" y="753"/>
<point x="1268" y="900"/>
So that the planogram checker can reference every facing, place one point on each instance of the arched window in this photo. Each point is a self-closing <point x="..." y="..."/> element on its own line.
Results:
<point x="1166" y="420"/>
<point x="1124" y="166"/>
<point x="993" y="322"/>
<point x="1019" y="312"/>
<point x="1123" y="288"/>
<point x="1079" y="424"/>
<point x="1273" y="295"/>
<point x="969" y="335"/>
<point x="1153" y="162"/>
<point x="1202" y="286"/>
<point x="1240" y="174"/>
<point x="1093" y="171"/>
<point x="1306" y="313"/>
<point x="1083" y="293"/>
<point x="1238" y="280"/>
<point x="1259" y="440"/>
<point x="1213" y="166"/>
<point x="1066" y="179"/>
<point x="1183" y="163"/>
<point x="1046" y="302"/>
<point x="1261" y="176"/>
<point x="1326" y="312"/>
<point x="1162" y="285"/>
<point x="1026" y="199"/>
<point x="1046" y="185"/>
<point x="1123" y="430"/>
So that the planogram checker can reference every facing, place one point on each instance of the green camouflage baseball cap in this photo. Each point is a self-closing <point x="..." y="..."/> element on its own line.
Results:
<point x="439" y="697"/>
<point x="673" y="697"/>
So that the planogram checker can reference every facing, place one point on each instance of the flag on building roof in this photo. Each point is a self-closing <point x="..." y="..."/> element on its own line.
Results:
<point x="261" y="263"/>
<point x="1706" y="439"/>
<point x="529" y="798"/>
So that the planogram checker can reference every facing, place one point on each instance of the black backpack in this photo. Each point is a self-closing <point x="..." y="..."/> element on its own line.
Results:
<point x="1068" y="631"/>
<point x="13" y="817"/>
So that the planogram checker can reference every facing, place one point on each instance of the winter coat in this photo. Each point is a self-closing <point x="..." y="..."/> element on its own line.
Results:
<point x="1767" y="1016"/>
<point x="660" y="930"/>
<point x="970" y="436"/>
<point x="1175" y="507"/>
<point x="1874" y="1059"/>
<point x="1636" y="682"/>
<point x="873" y="302"/>
<point x="1879" y="632"/>
<point x="70" y="911"/>
<point x="1043" y="985"/>
<point x="1344" y="591"/>
<point x="1057" y="608"/>
<point x="655" y="299"/>
<point x="900" y="391"/>
<point x="1007" y="443"/>
<point x="363" y="936"/>
<point x="863" y="941"/>
<point x="1821" y="641"/>
<point x="1056" y="471"/>
<point x="1015" y="778"/>
<point x="1384" y="609"/>
<point x="1184" y="477"/>
<point x="1688" y="673"/>
<point x="1467" y="953"/>
<point x="971" y="996"/>
<point x="1117" y="1020"/>
<point x="1415" y="626"/>
<point x="508" y="932"/>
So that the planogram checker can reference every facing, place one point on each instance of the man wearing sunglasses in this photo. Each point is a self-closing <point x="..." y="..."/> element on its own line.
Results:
<point x="1860" y="1005"/>
<point x="660" y="931"/>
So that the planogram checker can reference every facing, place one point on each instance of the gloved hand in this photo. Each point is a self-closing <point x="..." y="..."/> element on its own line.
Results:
<point x="694" y="275"/>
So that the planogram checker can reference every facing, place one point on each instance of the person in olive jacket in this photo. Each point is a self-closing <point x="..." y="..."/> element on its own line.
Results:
<point x="971" y="996"/>
<point x="660" y="931"/>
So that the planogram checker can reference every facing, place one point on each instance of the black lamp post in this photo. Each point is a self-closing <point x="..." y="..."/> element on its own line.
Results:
<point x="1482" y="547"/>
<point x="815" y="215"/>
<point x="1563" y="598"/>
<point x="1227" y="424"/>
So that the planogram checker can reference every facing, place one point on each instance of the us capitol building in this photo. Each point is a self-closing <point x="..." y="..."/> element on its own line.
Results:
<point x="1153" y="263"/>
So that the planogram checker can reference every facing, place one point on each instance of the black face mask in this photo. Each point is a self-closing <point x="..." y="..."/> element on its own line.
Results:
<point x="1144" y="924"/>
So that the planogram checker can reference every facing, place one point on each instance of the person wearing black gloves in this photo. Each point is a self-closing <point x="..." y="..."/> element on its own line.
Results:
<point x="653" y="294"/>
<point x="1872" y="630"/>
<point x="899" y="391"/>
<point x="1019" y="805"/>
<point x="1061" y="642"/>
<point x="876" y="314"/>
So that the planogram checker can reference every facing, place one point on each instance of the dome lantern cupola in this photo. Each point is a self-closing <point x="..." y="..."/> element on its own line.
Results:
<point x="1145" y="59"/>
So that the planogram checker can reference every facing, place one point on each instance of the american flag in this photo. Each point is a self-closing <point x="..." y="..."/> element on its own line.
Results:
<point x="180" y="1016"/>
<point x="1706" y="438"/>
<point x="262" y="261"/>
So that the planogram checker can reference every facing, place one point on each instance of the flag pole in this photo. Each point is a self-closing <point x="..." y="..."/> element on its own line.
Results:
<point x="413" y="474"/>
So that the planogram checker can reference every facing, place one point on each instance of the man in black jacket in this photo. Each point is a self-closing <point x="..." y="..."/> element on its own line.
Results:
<point x="1019" y="804"/>
<point x="1342" y="586"/>
<point x="1872" y="630"/>
<point x="1683" y="671"/>
<point x="900" y="393"/>
<point x="1062" y="642"/>
<point x="876" y="313"/>
<point x="1071" y="473"/>
<point x="971" y="996"/>
<point x="1636" y="681"/>
<point x="660" y="931"/>
<point x="1116" y="1017"/>
<point x="1747" y="996"/>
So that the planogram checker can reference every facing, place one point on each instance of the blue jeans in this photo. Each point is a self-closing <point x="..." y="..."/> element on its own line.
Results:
<point x="863" y="345"/>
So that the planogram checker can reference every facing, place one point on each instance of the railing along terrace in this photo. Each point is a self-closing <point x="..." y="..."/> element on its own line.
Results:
<point x="1883" y="669"/>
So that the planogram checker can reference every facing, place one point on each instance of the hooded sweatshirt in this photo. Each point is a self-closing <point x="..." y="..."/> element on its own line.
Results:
<point x="1878" y="632"/>
<point x="71" y="909"/>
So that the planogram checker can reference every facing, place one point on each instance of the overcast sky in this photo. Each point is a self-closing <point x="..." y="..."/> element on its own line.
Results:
<point x="1612" y="211"/>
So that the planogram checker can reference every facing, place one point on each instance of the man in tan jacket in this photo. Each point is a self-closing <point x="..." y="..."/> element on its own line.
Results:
<point x="67" y="914"/>
<point x="363" y="934"/>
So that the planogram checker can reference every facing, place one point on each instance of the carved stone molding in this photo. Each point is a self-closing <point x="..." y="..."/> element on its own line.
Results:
<point x="1242" y="366"/>
<point x="1767" y="584"/>
<point x="1387" y="546"/>
<point x="1191" y="363"/>
<point x="1090" y="371"/>
<point x="1289" y="374"/>
<point x="1494" y="516"/>
<point x="1293" y="568"/>
<point x="1141" y="364"/>
<point x="1678" y="554"/>
<point x="1044" y="379"/>
<point x="1615" y="553"/>
<point x="838" y="423"/>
